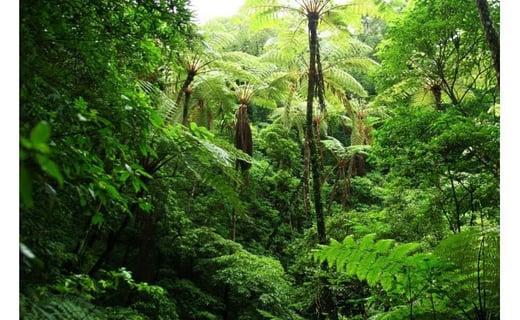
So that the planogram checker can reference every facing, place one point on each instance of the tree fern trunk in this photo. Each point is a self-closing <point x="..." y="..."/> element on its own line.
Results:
<point x="326" y="307"/>
<point x="436" y="90"/>
<point x="113" y="237"/>
<point x="243" y="137"/>
<point x="492" y="37"/>
<point x="184" y="89"/>
<point x="306" y="180"/>
<point x="186" y="107"/>
<point x="145" y="262"/>
<point x="309" y="130"/>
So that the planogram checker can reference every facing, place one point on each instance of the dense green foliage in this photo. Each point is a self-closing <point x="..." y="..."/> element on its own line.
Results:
<point x="299" y="160"/>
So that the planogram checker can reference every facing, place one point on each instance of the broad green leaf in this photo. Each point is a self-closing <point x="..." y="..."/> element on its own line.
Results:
<point x="25" y="143"/>
<point x="40" y="133"/>
<point x="136" y="185"/>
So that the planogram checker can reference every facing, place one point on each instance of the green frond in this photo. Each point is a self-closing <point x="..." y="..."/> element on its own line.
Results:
<point x="373" y="275"/>
<point x="472" y="250"/>
<point x="334" y="18"/>
<point x="239" y="57"/>
<point x="353" y="261"/>
<point x="220" y="155"/>
<point x="401" y="91"/>
<point x="340" y="151"/>
<point x="400" y="251"/>
<point x="366" y="264"/>
<point x="222" y="186"/>
<point x="212" y="88"/>
<point x="276" y="56"/>
<point x="217" y="41"/>
<point x="59" y="307"/>
<point x="340" y="79"/>
<point x="359" y="64"/>
<point x="382" y="246"/>
<point x="291" y="39"/>
<point x="353" y="47"/>
<point x="266" y="13"/>
<point x="269" y="72"/>
<point x="352" y="11"/>
<point x="166" y="106"/>
<point x="358" y="149"/>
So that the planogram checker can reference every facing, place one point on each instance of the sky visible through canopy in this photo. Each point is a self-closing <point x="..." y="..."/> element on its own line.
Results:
<point x="209" y="9"/>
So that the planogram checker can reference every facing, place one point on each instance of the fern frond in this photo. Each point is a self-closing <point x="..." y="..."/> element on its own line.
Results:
<point x="217" y="41"/>
<point x="353" y="262"/>
<point x="400" y="251"/>
<point x="367" y="242"/>
<point x="382" y="246"/>
<point x="373" y="275"/>
<point x="62" y="307"/>
<point x="366" y="264"/>
<point x="266" y="13"/>
<point x="338" y="81"/>
<point x="165" y="105"/>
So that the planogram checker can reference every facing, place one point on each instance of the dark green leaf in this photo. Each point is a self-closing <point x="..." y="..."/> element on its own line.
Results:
<point x="97" y="218"/>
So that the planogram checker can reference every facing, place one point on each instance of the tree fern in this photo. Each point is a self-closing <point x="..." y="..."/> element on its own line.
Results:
<point x="59" y="307"/>
<point x="164" y="104"/>
<point x="383" y="261"/>
<point x="461" y="276"/>
<point x="475" y="255"/>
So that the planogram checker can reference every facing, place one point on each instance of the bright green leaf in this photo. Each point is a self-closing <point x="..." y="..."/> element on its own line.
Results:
<point x="40" y="133"/>
<point x="136" y="185"/>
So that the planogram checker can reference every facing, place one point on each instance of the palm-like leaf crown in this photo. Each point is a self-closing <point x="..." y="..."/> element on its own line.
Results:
<point x="340" y="55"/>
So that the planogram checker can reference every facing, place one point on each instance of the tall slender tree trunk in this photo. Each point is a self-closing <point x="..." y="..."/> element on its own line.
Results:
<point x="492" y="37"/>
<point x="309" y="130"/>
<point x="306" y="180"/>
<point x="325" y="301"/>
<point x="243" y="137"/>
<point x="113" y="238"/>
<point x="145" y="270"/>
<point x="185" y="90"/>
<point x="436" y="90"/>
<point x="186" y="106"/>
